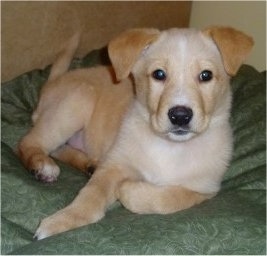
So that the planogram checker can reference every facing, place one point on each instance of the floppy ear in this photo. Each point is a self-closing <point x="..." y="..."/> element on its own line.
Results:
<point x="233" y="45"/>
<point x="125" y="49"/>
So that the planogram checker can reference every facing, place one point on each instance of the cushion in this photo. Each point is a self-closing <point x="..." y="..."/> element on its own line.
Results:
<point x="233" y="222"/>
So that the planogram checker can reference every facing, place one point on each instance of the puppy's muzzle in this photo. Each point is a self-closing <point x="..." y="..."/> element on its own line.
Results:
<point x="180" y="115"/>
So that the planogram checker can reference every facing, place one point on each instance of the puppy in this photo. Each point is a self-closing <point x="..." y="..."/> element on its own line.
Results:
<point x="160" y="137"/>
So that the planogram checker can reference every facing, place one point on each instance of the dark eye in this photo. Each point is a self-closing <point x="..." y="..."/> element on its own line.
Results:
<point x="159" y="75"/>
<point x="205" y="76"/>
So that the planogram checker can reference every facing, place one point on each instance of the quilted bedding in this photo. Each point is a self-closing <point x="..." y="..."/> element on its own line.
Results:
<point x="234" y="222"/>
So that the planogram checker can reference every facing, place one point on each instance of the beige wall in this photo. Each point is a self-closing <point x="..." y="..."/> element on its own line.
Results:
<point x="32" y="32"/>
<point x="249" y="17"/>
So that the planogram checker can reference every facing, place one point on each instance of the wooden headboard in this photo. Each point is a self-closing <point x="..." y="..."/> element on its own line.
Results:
<point x="32" y="32"/>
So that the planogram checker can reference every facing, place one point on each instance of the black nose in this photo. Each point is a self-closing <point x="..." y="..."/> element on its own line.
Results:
<point x="180" y="115"/>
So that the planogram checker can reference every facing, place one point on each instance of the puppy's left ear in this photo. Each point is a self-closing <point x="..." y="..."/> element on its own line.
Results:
<point x="125" y="49"/>
<point x="233" y="45"/>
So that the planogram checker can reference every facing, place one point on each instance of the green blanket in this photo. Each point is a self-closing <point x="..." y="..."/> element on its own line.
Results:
<point x="234" y="222"/>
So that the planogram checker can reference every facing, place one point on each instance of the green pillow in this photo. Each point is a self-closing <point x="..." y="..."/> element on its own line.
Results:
<point x="231" y="223"/>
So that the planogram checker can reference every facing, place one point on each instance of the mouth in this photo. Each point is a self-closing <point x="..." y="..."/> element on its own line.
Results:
<point x="180" y="134"/>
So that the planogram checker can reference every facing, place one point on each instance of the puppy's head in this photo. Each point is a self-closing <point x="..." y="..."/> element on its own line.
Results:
<point x="181" y="75"/>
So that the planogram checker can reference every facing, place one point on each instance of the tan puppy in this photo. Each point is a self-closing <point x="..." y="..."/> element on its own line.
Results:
<point x="160" y="138"/>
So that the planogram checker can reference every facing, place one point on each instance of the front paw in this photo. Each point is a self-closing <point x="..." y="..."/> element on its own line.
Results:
<point x="66" y="219"/>
<point x="45" y="229"/>
<point x="59" y="222"/>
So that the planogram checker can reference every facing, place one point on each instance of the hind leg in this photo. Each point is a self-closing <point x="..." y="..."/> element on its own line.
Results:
<point x="75" y="158"/>
<point x="52" y="129"/>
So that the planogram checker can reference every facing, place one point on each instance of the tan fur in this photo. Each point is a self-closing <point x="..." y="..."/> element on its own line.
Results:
<point x="73" y="157"/>
<point x="231" y="41"/>
<point x="124" y="127"/>
<point x="135" y="39"/>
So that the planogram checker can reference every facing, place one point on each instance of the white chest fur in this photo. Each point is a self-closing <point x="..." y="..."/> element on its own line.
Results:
<point x="197" y="164"/>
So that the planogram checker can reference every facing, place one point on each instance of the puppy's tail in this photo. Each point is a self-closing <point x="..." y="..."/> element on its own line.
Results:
<point x="64" y="57"/>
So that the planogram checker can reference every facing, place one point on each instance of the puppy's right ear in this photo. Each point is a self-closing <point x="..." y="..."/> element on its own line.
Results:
<point x="125" y="49"/>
